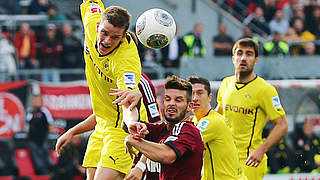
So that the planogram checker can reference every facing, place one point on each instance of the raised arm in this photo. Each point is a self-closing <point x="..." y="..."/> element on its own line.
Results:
<point x="86" y="125"/>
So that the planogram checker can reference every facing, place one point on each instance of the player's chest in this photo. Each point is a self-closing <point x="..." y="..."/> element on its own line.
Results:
<point x="100" y="68"/>
<point x="240" y="100"/>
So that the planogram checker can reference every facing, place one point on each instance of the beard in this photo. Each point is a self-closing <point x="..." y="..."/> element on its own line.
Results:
<point x="244" y="74"/>
<point x="177" y="119"/>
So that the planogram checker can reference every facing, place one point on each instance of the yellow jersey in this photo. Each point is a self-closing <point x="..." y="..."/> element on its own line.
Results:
<point x="120" y="69"/>
<point x="221" y="160"/>
<point x="247" y="108"/>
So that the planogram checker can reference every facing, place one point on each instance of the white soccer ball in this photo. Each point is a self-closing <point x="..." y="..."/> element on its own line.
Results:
<point x="155" y="28"/>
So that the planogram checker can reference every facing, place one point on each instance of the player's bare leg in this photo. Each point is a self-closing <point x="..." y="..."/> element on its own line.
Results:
<point x="90" y="173"/>
<point x="108" y="174"/>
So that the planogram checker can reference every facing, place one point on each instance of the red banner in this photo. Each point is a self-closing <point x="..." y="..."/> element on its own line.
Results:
<point x="11" y="114"/>
<point x="67" y="101"/>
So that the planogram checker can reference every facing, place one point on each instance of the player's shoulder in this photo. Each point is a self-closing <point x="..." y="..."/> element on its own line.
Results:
<point x="213" y="117"/>
<point x="228" y="79"/>
<point x="263" y="84"/>
<point x="185" y="126"/>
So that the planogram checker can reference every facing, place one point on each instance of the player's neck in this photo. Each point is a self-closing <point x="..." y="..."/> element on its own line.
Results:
<point x="245" y="78"/>
<point x="202" y="113"/>
<point x="170" y="125"/>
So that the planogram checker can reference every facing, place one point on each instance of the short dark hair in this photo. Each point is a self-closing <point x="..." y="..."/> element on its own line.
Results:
<point x="200" y="80"/>
<point x="246" y="42"/>
<point x="174" y="82"/>
<point x="118" y="17"/>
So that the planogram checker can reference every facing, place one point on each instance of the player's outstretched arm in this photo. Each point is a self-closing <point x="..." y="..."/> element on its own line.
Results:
<point x="157" y="152"/>
<point x="82" y="127"/>
<point x="280" y="129"/>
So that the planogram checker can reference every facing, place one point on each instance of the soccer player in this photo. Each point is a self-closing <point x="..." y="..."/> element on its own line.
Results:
<point x="177" y="144"/>
<point x="112" y="62"/>
<point x="221" y="160"/>
<point x="247" y="102"/>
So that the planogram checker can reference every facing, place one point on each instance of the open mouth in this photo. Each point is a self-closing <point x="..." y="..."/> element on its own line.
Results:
<point x="171" y="111"/>
<point x="104" y="47"/>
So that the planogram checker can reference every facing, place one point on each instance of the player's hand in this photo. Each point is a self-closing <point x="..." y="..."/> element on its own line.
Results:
<point x="63" y="141"/>
<point x="131" y="97"/>
<point x="129" y="148"/>
<point x="135" y="174"/>
<point x="255" y="158"/>
<point x="138" y="130"/>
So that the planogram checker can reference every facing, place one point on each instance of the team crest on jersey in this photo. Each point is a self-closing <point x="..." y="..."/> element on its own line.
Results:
<point x="106" y="66"/>
<point x="203" y="125"/>
<point x="171" y="138"/>
<point x="276" y="102"/>
<point x="153" y="110"/>
<point x="95" y="8"/>
<point x="129" y="80"/>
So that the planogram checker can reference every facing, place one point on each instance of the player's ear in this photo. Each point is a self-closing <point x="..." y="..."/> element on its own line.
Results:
<point x="257" y="60"/>
<point x="210" y="97"/>
<point x="124" y="36"/>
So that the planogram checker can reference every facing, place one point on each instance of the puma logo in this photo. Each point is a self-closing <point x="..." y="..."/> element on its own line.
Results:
<point x="114" y="160"/>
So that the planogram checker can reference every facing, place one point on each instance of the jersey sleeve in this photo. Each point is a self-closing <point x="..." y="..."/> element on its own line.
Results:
<point x="149" y="99"/>
<point x="155" y="131"/>
<point x="210" y="128"/>
<point x="91" y="12"/>
<point x="270" y="103"/>
<point x="183" y="139"/>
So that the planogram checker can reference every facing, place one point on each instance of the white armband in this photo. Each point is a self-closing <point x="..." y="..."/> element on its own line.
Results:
<point x="141" y="166"/>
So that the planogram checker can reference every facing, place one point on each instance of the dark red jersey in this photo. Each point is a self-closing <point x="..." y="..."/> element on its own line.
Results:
<point x="186" y="141"/>
<point x="149" y="98"/>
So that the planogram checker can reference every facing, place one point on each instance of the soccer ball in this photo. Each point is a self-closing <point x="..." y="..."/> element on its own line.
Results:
<point x="155" y="28"/>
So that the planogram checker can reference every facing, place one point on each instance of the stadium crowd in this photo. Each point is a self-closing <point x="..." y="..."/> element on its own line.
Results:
<point x="282" y="28"/>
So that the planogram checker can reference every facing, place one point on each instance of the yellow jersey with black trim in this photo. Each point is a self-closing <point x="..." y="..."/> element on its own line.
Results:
<point x="247" y="108"/>
<point x="221" y="160"/>
<point x="120" y="69"/>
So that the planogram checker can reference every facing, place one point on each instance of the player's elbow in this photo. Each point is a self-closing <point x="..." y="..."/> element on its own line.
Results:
<point x="168" y="158"/>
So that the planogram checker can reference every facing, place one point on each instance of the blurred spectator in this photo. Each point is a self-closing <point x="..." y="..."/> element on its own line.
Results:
<point x="54" y="16"/>
<point x="71" y="53"/>
<point x="25" y="42"/>
<point x="7" y="60"/>
<point x="69" y="163"/>
<point x="310" y="49"/>
<point x="171" y="54"/>
<point x="303" y="34"/>
<point x="293" y="40"/>
<point x="269" y="8"/>
<point x="278" y="23"/>
<point x="195" y="43"/>
<point x="312" y="22"/>
<point x="246" y="33"/>
<point x="40" y="124"/>
<point x="276" y="47"/>
<point x="51" y="49"/>
<point x="309" y="14"/>
<point x="10" y="7"/>
<point x="39" y="7"/>
<point x="281" y="158"/>
<point x="289" y="10"/>
<point x="257" y="23"/>
<point x="222" y="42"/>
<point x="307" y="145"/>
<point x="298" y="14"/>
